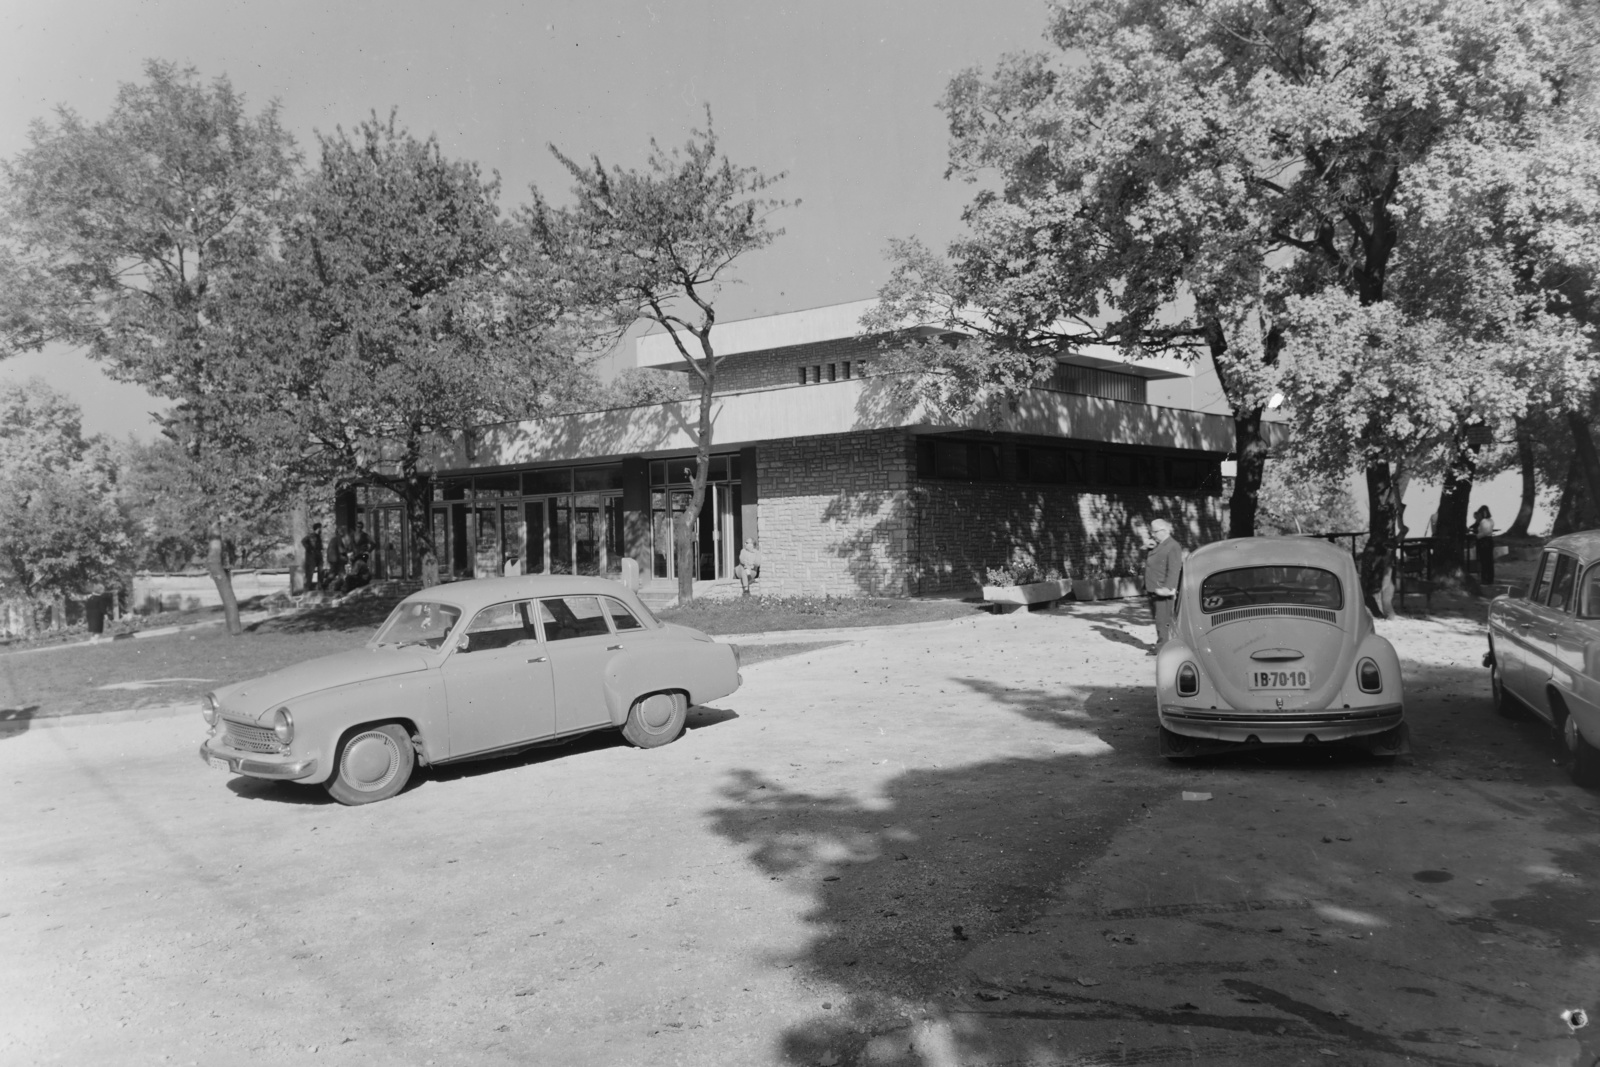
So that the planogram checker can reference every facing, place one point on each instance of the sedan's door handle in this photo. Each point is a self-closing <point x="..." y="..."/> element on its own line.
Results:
<point x="612" y="648"/>
<point x="539" y="659"/>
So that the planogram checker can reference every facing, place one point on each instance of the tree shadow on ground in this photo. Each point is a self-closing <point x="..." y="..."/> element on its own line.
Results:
<point x="903" y="885"/>
<point x="361" y="613"/>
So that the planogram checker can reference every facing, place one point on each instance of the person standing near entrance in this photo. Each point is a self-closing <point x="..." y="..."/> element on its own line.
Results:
<point x="1483" y="529"/>
<point x="749" y="566"/>
<point x="1161" y="568"/>
<point x="337" y="557"/>
<point x="312" y="543"/>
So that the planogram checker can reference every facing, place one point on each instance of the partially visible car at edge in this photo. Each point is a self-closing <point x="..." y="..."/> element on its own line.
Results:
<point x="1544" y="649"/>
<point x="466" y="671"/>
<point x="1273" y="645"/>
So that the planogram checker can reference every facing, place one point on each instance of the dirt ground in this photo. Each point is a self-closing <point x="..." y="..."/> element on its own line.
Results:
<point x="951" y="843"/>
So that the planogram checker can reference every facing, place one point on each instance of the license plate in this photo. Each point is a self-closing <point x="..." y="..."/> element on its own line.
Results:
<point x="1280" y="679"/>
<point x="219" y="764"/>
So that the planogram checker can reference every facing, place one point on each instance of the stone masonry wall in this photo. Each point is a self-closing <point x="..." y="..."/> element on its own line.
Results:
<point x="833" y="514"/>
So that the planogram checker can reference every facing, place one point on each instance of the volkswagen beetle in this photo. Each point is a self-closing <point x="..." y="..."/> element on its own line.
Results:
<point x="1544" y="649"/>
<point x="466" y="671"/>
<point x="1272" y="645"/>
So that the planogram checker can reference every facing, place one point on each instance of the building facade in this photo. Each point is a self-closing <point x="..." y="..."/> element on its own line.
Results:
<point x="846" y="490"/>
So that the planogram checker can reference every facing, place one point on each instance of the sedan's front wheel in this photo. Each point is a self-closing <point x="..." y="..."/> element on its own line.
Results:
<point x="656" y="719"/>
<point x="1585" y="757"/>
<point x="375" y="762"/>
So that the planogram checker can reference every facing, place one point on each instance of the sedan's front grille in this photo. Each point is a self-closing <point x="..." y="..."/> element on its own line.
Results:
<point x="249" y="738"/>
<point x="1319" y="614"/>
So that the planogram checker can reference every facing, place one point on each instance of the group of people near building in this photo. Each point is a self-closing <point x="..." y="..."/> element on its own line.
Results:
<point x="346" y="563"/>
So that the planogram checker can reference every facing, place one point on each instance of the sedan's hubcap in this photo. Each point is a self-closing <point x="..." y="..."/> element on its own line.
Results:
<point x="370" y="761"/>
<point x="657" y="711"/>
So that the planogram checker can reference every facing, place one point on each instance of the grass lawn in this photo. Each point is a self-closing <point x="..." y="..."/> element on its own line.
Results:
<point x="181" y="667"/>
<point x="763" y="614"/>
<point x="178" y="667"/>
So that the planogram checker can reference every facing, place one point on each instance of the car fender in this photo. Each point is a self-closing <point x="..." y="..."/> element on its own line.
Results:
<point x="416" y="699"/>
<point x="705" y="670"/>
<point x="1379" y="650"/>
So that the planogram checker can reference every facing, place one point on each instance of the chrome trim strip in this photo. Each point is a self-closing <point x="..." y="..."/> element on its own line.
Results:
<point x="1285" y="720"/>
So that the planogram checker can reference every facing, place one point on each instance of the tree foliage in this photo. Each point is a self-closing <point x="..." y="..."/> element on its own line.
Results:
<point x="133" y="238"/>
<point x="658" y="243"/>
<point x="1318" y="194"/>
<point x="62" y="533"/>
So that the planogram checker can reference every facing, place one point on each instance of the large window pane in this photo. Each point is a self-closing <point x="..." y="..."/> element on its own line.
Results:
<point x="534" y="514"/>
<point x="586" y="533"/>
<point x="547" y="481"/>
<point x="569" y="617"/>
<point x="561" y="535"/>
<point x="598" y="479"/>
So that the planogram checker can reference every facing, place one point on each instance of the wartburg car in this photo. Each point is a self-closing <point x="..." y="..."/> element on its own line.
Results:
<point x="1544" y="649"/>
<point x="1272" y="645"/>
<point x="466" y="671"/>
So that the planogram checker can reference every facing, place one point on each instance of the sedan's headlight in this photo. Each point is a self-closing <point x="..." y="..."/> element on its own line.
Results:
<point x="208" y="709"/>
<point x="283" y="725"/>
<point x="1368" y="677"/>
<point x="1188" y="680"/>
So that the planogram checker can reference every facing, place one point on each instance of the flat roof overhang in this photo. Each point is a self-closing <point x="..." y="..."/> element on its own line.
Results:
<point x="838" y="322"/>
<point x="862" y="404"/>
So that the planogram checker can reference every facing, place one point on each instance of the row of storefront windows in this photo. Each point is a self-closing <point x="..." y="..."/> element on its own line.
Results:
<point x="566" y="520"/>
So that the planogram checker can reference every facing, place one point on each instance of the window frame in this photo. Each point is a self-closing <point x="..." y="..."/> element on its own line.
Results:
<point x="1565" y="608"/>
<point x="1591" y="573"/>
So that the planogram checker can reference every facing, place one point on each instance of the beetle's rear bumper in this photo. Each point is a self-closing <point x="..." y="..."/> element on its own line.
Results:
<point x="1281" y="728"/>
<point x="255" y="766"/>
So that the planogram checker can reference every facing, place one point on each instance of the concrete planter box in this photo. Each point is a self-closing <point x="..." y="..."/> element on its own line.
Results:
<point x="1011" y="597"/>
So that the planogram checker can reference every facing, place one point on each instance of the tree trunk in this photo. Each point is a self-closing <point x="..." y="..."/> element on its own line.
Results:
<point x="1450" y="532"/>
<point x="702" y="469"/>
<point x="1378" y="557"/>
<point x="1252" y="464"/>
<point x="416" y="493"/>
<point x="224" y="581"/>
<point x="1530" y="482"/>
<point x="299" y="528"/>
<point x="1588" y="460"/>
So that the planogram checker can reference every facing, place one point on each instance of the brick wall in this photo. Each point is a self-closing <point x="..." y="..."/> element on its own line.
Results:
<point x="777" y="367"/>
<point x="833" y="514"/>
<point x="957" y="529"/>
<point x="845" y="515"/>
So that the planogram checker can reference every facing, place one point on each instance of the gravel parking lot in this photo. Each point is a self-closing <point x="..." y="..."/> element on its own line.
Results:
<point x="949" y="843"/>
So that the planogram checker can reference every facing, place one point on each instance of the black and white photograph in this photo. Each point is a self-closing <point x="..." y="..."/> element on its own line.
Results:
<point x="679" y="533"/>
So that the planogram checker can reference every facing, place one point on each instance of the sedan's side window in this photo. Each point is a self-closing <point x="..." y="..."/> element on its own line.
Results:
<point x="1541" y="584"/>
<point x="497" y="626"/>
<point x="621" y="617"/>
<point x="1589" y="594"/>
<point x="572" y="616"/>
<point x="1561" y="586"/>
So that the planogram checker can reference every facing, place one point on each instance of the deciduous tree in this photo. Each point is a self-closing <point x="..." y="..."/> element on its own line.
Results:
<point x="658" y="243"/>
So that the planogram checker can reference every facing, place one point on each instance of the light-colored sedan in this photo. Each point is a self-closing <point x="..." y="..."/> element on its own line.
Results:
<point x="1544" y="649"/>
<point x="466" y="671"/>
<point x="1272" y="645"/>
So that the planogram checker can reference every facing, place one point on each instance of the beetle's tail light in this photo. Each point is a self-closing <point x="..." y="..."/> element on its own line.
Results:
<point x="1368" y="677"/>
<point x="1188" y="680"/>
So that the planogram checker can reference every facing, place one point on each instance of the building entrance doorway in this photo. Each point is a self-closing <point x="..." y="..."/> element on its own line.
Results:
<point x="714" y="535"/>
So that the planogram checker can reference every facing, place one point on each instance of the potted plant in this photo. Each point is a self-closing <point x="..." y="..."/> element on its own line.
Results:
<point x="1021" y="583"/>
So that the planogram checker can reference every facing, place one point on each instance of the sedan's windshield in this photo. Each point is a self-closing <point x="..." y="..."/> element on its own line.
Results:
<point x="417" y="623"/>
<point x="1311" y="586"/>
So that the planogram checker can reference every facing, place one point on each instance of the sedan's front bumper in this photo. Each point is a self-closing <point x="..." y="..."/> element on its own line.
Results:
<point x="284" y="768"/>
<point x="1284" y="727"/>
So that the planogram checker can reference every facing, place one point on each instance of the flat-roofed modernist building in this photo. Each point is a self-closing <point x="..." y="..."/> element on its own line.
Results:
<point x="845" y="491"/>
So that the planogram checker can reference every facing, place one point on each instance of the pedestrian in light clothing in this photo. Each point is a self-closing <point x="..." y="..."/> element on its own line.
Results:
<point x="748" y="569"/>
<point x="1161" y="569"/>
<point x="1483" y="530"/>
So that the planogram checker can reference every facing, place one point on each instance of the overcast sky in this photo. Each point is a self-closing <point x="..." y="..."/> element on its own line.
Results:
<point x="840" y="94"/>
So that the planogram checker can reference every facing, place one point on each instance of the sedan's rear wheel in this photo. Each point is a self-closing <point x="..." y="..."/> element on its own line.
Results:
<point x="1585" y="757"/>
<point x="374" y="763"/>
<point x="656" y="720"/>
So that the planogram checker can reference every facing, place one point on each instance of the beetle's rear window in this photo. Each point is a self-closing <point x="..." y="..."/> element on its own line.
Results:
<point x="417" y="623"/>
<point x="1249" y="586"/>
